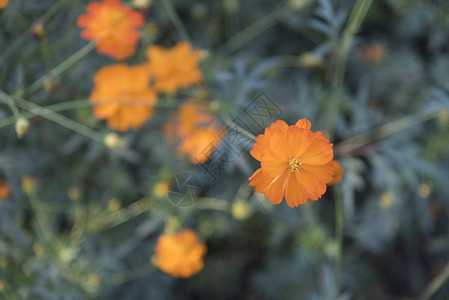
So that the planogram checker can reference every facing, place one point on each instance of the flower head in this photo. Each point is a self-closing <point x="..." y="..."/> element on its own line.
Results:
<point x="294" y="163"/>
<point x="3" y="3"/>
<point x="196" y="130"/>
<point x="180" y="255"/>
<point x="174" y="68"/>
<point x="113" y="25"/>
<point x="122" y="96"/>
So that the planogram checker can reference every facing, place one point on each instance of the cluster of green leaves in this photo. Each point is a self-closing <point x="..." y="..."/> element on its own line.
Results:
<point x="88" y="227"/>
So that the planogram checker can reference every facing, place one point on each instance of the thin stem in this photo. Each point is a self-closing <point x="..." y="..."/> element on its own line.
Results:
<point x="213" y="204"/>
<point x="356" y="18"/>
<point x="132" y="274"/>
<point x="119" y="217"/>
<point x="57" y="118"/>
<point x="339" y="227"/>
<point x="169" y="8"/>
<point x="358" y="13"/>
<point x="232" y="125"/>
<point x="253" y="30"/>
<point x="62" y="67"/>
<point x="358" y="141"/>
<point x="436" y="283"/>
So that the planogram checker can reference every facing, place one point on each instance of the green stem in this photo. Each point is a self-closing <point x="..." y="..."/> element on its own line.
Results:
<point x="116" y="218"/>
<point x="356" y="18"/>
<point x="42" y="220"/>
<point x="358" y="14"/>
<point x="232" y="125"/>
<point x="358" y="141"/>
<point x="339" y="227"/>
<point x="171" y="12"/>
<point x="52" y="116"/>
<point x="436" y="283"/>
<point x="62" y="67"/>
<point x="253" y="30"/>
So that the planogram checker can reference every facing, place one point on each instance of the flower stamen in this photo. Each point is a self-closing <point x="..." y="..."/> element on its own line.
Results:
<point x="294" y="165"/>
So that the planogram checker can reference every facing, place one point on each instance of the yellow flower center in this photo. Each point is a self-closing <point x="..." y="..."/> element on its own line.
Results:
<point x="294" y="165"/>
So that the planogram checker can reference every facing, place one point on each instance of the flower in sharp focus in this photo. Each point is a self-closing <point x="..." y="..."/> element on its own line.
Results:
<point x="195" y="131"/>
<point x="180" y="255"/>
<point x="122" y="96"/>
<point x="113" y="25"/>
<point x="338" y="172"/>
<point x="294" y="163"/>
<point x="3" y="3"/>
<point x="174" y="68"/>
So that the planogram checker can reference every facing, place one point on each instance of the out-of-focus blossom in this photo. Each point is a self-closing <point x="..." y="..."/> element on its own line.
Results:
<point x="311" y="60"/>
<point x="3" y="3"/>
<point x="174" y="68"/>
<point x="338" y="172"/>
<point x="112" y="140"/>
<point x="386" y="200"/>
<point x="122" y="96"/>
<point x="22" y="126"/>
<point x="180" y="255"/>
<point x="5" y="190"/>
<point x="374" y="53"/>
<point x="114" y="26"/>
<point x="195" y="131"/>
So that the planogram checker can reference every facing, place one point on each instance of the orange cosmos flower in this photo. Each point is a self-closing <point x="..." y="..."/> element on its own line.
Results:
<point x="3" y="3"/>
<point x="338" y="172"/>
<point x="180" y="255"/>
<point x="197" y="131"/>
<point x="174" y="68"/>
<point x="122" y="96"/>
<point x="5" y="190"/>
<point x="294" y="163"/>
<point x="113" y="25"/>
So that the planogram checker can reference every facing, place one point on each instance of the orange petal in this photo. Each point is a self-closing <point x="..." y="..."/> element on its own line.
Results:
<point x="275" y="192"/>
<point x="259" y="147"/>
<point x="313" y="187"/>
<point x="273" y="165"/>
<point x="260" y="181"/>
<point x="298" y="140"/>
<point x="304" y="123"/>
<point x="294" y="193"/>
<point x="323" y="172"/>
<point x="276" y="143"/>
<point x="319" y="152"/>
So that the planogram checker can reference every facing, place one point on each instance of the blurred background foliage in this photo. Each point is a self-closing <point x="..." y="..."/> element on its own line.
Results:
<point x="82" y="219"/>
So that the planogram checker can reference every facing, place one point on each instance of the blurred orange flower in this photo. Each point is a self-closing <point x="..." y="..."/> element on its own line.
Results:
<point x="3" y="3"/>
<point x="174" y="68"/>
<point x="374" y="52"/>
<point x="294" y="163"/>
<point x="180" y="255"/>
<point x="122" y="96"/>
<point x="113" y="25"/>
<point x="338" y="172"/>
<point x="197" y="131"/>
<point x="5" y="190"/>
